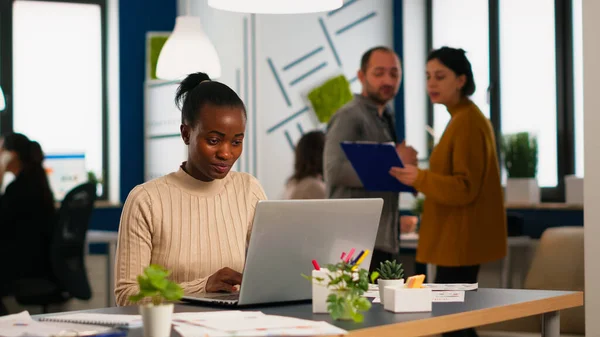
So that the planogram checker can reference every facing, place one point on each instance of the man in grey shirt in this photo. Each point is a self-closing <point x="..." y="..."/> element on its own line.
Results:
<point x="368" y="117"/>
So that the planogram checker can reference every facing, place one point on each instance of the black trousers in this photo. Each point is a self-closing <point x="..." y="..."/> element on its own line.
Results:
<point x="463" y="274"/>
<point x="381" y="256"/>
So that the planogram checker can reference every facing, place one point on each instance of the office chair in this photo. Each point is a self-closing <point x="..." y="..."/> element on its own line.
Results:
<point x="67" y="255"/>
<point x="558" y="264"/>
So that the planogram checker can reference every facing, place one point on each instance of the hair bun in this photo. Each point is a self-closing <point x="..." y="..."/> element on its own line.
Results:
<point x="187" y="85"/>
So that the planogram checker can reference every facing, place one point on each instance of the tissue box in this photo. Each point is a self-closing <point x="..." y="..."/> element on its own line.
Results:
<point x="407" y="299"/>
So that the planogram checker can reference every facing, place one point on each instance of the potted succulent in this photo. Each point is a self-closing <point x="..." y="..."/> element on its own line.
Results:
<point x="391" y="274"/>
<point x="156" y="315"/>
<point x="347" y="285"/>
<point x="521" y="159"/>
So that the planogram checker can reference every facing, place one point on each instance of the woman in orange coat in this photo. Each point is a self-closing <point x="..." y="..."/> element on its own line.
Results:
<point x="464" y="220"/>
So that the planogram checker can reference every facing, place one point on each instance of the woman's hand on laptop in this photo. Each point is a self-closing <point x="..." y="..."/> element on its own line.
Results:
<point x="223" y="280"/>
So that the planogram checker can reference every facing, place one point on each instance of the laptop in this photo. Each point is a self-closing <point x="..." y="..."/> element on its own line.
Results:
<point x="287" y="235"/>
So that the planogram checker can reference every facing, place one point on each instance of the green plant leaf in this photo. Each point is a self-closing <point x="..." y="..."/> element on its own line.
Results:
<point x="154" y="284"/>
<point x="173" y="292"/>
<point x="136" y="298"/>
<point x="335" y="306"/>
<point x="362" y="304"/>
<point x="374" y="276"/>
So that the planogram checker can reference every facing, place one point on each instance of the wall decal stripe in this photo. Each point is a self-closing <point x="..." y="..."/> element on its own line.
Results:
<point x="302" y="58"/>
<point x="348" y="3"/>
<point x="355" y="23"/>
<point x="290" y="141"/>
<point x="285" y="121"/>
<point x="308" y="73"/>
<point x="335" y="54"/>
<point x="285" y="96"/>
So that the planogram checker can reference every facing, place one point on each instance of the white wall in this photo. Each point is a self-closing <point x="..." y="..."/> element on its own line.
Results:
<point x="283" y="39"/>
<point x="591" y="70"/>
<point x="246" y="43"/>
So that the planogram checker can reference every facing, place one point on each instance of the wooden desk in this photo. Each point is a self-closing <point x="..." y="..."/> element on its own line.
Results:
<point x="481" y="307"/>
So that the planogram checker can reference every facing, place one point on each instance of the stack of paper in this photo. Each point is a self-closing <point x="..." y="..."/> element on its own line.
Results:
<point x="22" y="324"/>
<point x="247" y="323"/>
<point x="452" y="286"/>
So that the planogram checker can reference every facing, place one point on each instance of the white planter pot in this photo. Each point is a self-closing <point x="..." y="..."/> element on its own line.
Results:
<point x="574" y="190"/>
<point x="388" y="283"/>
<point x="157" y="319"/>
<point x="522" y="190"/>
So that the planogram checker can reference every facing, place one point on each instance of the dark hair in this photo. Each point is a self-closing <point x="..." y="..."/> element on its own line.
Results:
<point x="364" y="60"/>
<point x="197" y="90"/>
<point x="29" y="152"/>
<point x="457" y="61"/>
<point x="31" y="155"/>
<point x="309" y="156"/>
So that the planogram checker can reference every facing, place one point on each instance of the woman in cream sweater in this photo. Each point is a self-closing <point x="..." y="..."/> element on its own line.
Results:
<point x="196" y="221"/>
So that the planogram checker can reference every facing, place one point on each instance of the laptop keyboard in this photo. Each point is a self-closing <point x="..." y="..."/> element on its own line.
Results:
<point x="228" y="297"/>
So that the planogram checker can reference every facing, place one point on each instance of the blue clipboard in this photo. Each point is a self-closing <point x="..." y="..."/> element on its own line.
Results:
<point x="372" y="162"/>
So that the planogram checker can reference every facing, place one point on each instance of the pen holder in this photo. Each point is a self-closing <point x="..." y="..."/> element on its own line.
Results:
<point x="320" y="291"/>
<point x="407" y="299"/>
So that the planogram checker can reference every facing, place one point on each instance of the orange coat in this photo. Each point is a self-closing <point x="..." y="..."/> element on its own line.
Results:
<point x="464" y="219"/>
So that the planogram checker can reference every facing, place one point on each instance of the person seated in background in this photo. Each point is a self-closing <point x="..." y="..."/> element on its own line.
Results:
<point x="196" y="221"/>
<point x="27" y="213"/>
<point x="307" y="180"/>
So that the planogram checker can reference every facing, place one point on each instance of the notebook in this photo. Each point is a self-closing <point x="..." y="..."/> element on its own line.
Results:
<point x="372" y="162"/>
<point x="122" y="321"/>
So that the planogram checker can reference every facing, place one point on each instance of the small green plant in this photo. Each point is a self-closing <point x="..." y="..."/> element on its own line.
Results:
<point x="520" y="155"/>
<point x="348" y="286"/>
<point x="418" y="206"/>
<point x="154" y="284"/>
<point x="92" y="177"/>
<point x="390" y="270"/>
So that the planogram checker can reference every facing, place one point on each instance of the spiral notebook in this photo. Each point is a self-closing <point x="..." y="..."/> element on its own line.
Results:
<point x="122" y="321"/>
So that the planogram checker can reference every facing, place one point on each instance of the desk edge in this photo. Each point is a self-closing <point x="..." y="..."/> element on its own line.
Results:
<point x="475" y="318"/>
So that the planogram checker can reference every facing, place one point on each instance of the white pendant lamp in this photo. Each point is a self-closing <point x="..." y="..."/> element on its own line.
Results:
<point x="276" y="6"/>
<point x="188" y="50"/>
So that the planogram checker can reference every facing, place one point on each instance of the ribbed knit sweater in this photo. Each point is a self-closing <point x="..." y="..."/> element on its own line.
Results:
<point x="192" y="228"/>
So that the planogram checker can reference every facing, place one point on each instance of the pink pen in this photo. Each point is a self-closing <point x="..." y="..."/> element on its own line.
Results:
<point x="349" y="256"/>
<point x="343" y="254"/>
<point x="316" y="265"/>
